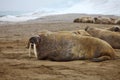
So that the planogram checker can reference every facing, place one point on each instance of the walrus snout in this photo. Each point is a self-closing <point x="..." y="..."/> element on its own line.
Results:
<point x="116" y="28"/>
<point x="32" y="44"/>
<point x="32" y="41"/>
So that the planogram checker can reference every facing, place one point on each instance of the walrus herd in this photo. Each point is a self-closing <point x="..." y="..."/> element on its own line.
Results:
<point x="97" y="20"/>
<point x="92" y="44"/>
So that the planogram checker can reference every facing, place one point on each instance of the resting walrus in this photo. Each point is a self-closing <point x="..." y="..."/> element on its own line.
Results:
<point x="67" y="47"/>
<point x="112" y="38"/>
<point x="114" y="29"/>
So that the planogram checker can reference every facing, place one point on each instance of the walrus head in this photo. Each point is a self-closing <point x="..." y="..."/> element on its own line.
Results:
<point x="88" y="28"/>
<point x="33" y="43"/>
<point x="116" y="29"/>
<point x="33" y="40"/>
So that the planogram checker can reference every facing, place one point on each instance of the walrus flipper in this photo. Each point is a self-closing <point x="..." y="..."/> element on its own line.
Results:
<point x="102" y="58"/>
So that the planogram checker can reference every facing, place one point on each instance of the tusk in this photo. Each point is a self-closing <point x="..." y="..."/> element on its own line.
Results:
<point x="35" y="51"/>
<point x="30" y="49"/>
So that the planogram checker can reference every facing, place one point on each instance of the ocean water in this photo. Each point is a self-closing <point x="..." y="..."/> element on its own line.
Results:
<point x="25" y="16"/>
<point x="15" y="16"/>
<point x="4" y="13"/>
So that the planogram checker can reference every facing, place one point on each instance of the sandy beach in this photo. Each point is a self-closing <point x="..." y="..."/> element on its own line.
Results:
<point x="15" y="63"/>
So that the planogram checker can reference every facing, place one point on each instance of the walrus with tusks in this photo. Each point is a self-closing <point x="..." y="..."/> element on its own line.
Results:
<point x="32" y="44"/>
<point x="65" y="47"/>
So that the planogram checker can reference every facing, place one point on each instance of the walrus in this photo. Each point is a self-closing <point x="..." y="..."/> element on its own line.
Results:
<point x="103" y="20"/>
<point x="112" y="38"/>
<point x="67" y="47"/>
<point x="81" y="32"/>
<point x="77" y="20"/>
<point x="85" y="19"/>
<point x="75" y="32"/>
<point x="114" y="28"/>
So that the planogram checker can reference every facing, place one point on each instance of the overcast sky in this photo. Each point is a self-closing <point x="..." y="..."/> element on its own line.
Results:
<point x="32" y="5"/>
<point x="65" y="6"/>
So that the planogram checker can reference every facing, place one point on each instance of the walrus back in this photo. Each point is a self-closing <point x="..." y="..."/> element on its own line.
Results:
<point x="65" y="47"/>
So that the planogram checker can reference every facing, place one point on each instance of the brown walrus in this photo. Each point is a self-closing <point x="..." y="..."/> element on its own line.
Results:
<point x="76" y="32"/>
<point x="114" y="28"/>
<point x="67" y="47"/>
<point x="112" y="38"/>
